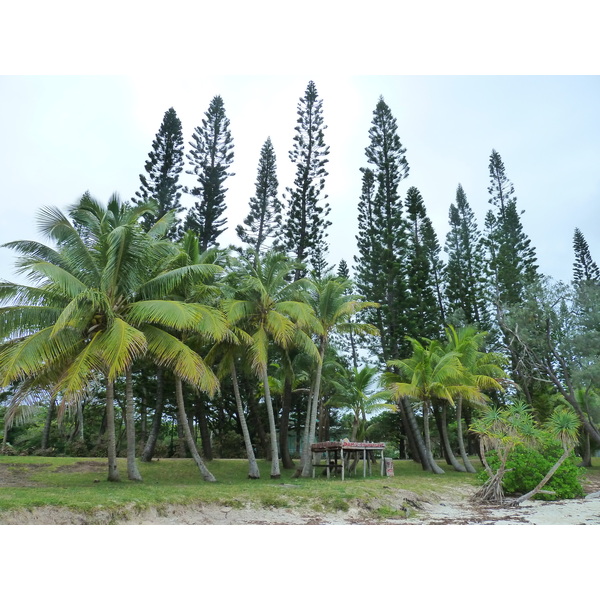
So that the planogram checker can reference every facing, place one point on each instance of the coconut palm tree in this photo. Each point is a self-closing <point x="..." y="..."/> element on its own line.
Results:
<point x="484" y="369"/>
<point x="354" y="391"/>
<point x="333" y="307"/>
<point x="95" y="307"/>
<point x="430" y="374"/>
<point x="268" y="306"/>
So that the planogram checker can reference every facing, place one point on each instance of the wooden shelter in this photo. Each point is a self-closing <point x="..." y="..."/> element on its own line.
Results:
<point x="343" y="449"/>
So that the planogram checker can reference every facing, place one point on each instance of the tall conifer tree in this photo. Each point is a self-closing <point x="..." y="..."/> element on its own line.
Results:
<point x="381" y="240"/>
<point x="164" y="164"/>
<point x="510" y="265"/>
<point x="305" y="229"/>
<point x="511" y="260"/>
<point x="422" y="308"/>
<point x="211" y="157"/>
<point x="584" y="268"/>
<point x="464" y="271"/>
<point x="437" y="270"/>
<point x="264" y="218"/>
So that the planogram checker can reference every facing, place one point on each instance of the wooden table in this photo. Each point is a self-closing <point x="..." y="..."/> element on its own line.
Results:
<point x="337" y="449"/>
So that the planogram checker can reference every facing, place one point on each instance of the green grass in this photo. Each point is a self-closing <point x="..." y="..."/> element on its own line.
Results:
<point x="177" y="481"/>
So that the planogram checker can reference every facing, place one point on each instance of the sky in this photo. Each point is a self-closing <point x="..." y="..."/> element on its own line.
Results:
<point x="64" y="135"/>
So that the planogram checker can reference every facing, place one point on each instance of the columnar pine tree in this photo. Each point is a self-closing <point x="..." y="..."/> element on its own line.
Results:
<point x="510" y="266"/>
<point x="584" y="268"/>
<point x="464" y="271"/>
<point x="211" y="157"/>
<point x="437" y="269"/>
<point x="381" y="238"/>
<point x="422" y="310"/>
<point x="306" y="223"/>
<point x="161" y="181"/>
<point x="264" y="218"/>
<point x="511" y="260"/>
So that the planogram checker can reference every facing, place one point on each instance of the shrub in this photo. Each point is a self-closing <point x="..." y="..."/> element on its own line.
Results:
<point x="528" y="467"/>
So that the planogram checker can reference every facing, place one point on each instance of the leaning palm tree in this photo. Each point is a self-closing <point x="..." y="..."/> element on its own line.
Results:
<point x="198" y="287"/>
<point x="430" y="374"/>
<point x="227" y="353"/>
<point x="268" y="307"/>
<point x="484" y="369"/>
<point x="94" y="308"/>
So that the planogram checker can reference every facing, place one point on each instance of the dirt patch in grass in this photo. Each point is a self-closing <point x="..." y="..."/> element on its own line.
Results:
<point x="19" y="475"/>
<point x="82" y="466"/>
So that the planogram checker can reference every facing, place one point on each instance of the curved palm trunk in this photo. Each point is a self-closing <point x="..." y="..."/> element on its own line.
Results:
<point x="432" y="464"/>
<point x="132" y="469"/>
<point x="253" y="472"/>
<point x="150" y="446"/>
<point x="446" y="441"/>
<point x="206" y="474"/>
<point x="314" y="404"/>
<point x="461" y="442"/>
<point x="113" y="473"/>
<point x="275" y="472"/>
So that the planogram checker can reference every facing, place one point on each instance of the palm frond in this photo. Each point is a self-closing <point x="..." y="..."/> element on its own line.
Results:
<point x="169" y="352"/>
<point x="119" y="345"/>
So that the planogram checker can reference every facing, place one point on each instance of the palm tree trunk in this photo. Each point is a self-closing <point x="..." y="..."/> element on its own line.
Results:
<point x="80" y="421"/>
<point x="132" y="470"/>
<point x="181" y="453"/>
<point x="258" y="424"/>
<point x="275" y="472"/>
<point x="306" y="453"/>
<point x="206" y="474"/>
<point x="47" y="424"/>
<point x="444" y="433"/>
<point x="307" y="465"/>
<point x="461" y="442"/>
<point x="150" y="446"/>
<point x="432" y="464"/>
<point x="284" y="421"/>
<point x="113" y="473"/>
<point x="253" y="472"/>
<point x="427" y="462"/>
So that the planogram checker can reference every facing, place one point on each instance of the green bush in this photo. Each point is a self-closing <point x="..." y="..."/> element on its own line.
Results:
<point x="528" y="467"/>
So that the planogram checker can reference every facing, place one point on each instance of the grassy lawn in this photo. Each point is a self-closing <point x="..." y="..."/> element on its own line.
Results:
<point x="66" y="482"/>
<point x="80" y="484"/>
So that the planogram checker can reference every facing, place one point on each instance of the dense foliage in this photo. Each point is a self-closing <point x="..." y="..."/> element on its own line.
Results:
<point x="527" y="466"/>
<point x="139" y="335"/>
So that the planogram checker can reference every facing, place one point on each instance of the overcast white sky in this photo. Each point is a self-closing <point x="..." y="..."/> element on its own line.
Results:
<point x="63" y="135"/>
